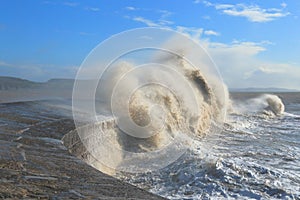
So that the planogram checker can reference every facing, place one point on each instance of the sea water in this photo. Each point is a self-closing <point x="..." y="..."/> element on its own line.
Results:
<point x="256" y="156"/>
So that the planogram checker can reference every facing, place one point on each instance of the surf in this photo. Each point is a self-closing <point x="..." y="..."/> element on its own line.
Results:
<point x="155" y="110"/>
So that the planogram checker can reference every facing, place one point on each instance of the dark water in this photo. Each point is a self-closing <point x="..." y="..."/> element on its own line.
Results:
<point x="255" y="157"/>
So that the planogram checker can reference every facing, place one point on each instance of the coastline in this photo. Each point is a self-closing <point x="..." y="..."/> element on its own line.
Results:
<point x="34" y="163"/>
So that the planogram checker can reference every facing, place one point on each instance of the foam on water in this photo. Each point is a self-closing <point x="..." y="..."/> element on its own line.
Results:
<point x="268" y="104"/>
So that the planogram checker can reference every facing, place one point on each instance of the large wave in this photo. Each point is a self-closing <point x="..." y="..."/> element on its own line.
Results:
<point x="156" y="111"/>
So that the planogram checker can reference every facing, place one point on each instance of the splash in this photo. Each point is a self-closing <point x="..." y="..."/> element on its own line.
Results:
<point x="159" y="113"/>
<point x="275" y="104"/>
<point x="266" y="104"/>
<point x="159" y="100"/>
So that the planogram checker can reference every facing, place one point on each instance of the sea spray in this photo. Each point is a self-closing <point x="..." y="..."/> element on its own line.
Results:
<point x="265" y="104"/>
<point x="162" y="114"/>
<point x="162" y="95"/>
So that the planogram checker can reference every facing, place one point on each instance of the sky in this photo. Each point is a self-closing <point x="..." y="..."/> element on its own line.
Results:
<point x="254" y="43"/>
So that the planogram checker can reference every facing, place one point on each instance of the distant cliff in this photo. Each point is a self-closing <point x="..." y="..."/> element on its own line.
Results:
<point x="16" y="89"/>
<point x="11" y="83"/>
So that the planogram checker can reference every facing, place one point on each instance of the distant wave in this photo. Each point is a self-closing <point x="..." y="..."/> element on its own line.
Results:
<point x="267" y="104"/>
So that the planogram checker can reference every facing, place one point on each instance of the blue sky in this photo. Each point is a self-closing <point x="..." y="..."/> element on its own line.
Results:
<point x="254" y="43"/>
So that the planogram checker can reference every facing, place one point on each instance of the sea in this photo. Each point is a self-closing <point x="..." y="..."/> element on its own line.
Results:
<point x="256" y="156"/>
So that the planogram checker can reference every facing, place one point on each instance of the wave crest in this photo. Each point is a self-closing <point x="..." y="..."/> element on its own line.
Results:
<point x="266" y="104"/>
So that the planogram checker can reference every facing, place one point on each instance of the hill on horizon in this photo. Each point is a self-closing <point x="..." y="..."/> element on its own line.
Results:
<point x="13" y="83"/>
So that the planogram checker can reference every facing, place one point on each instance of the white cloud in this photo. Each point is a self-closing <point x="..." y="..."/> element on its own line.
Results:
<point x="196" y="33"/>
<point x="193" y="32"/>
<point x="283" y="4"/>
<point x="165" y="22"/>
<point x="206" y="17"/>
<point x="240" y="66"/>
<point x="93" y="9"/>
<point x="146" y="21"/>
<point x="197" y="1"/>
<point x="274" y="75"/>
<point x="161" y="21"/>
<point x="223" y="6"/>
<point x="207" y="3"/>
<point x="263" y="70"/>
<point x="211" y="32"/>
<point x="164" y="13"/>
<point x="131" y="8"/>
<point x="253" y="13"/>
<point x="269" y="70"/>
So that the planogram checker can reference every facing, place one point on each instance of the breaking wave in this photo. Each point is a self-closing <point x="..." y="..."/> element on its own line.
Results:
<point x="156" y="116"/>
<point x="157" y="107"/>
<point x="266" y="104"/>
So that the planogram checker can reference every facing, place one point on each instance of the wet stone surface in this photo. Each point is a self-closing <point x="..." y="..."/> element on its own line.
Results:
<point x="34" y="163"/>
